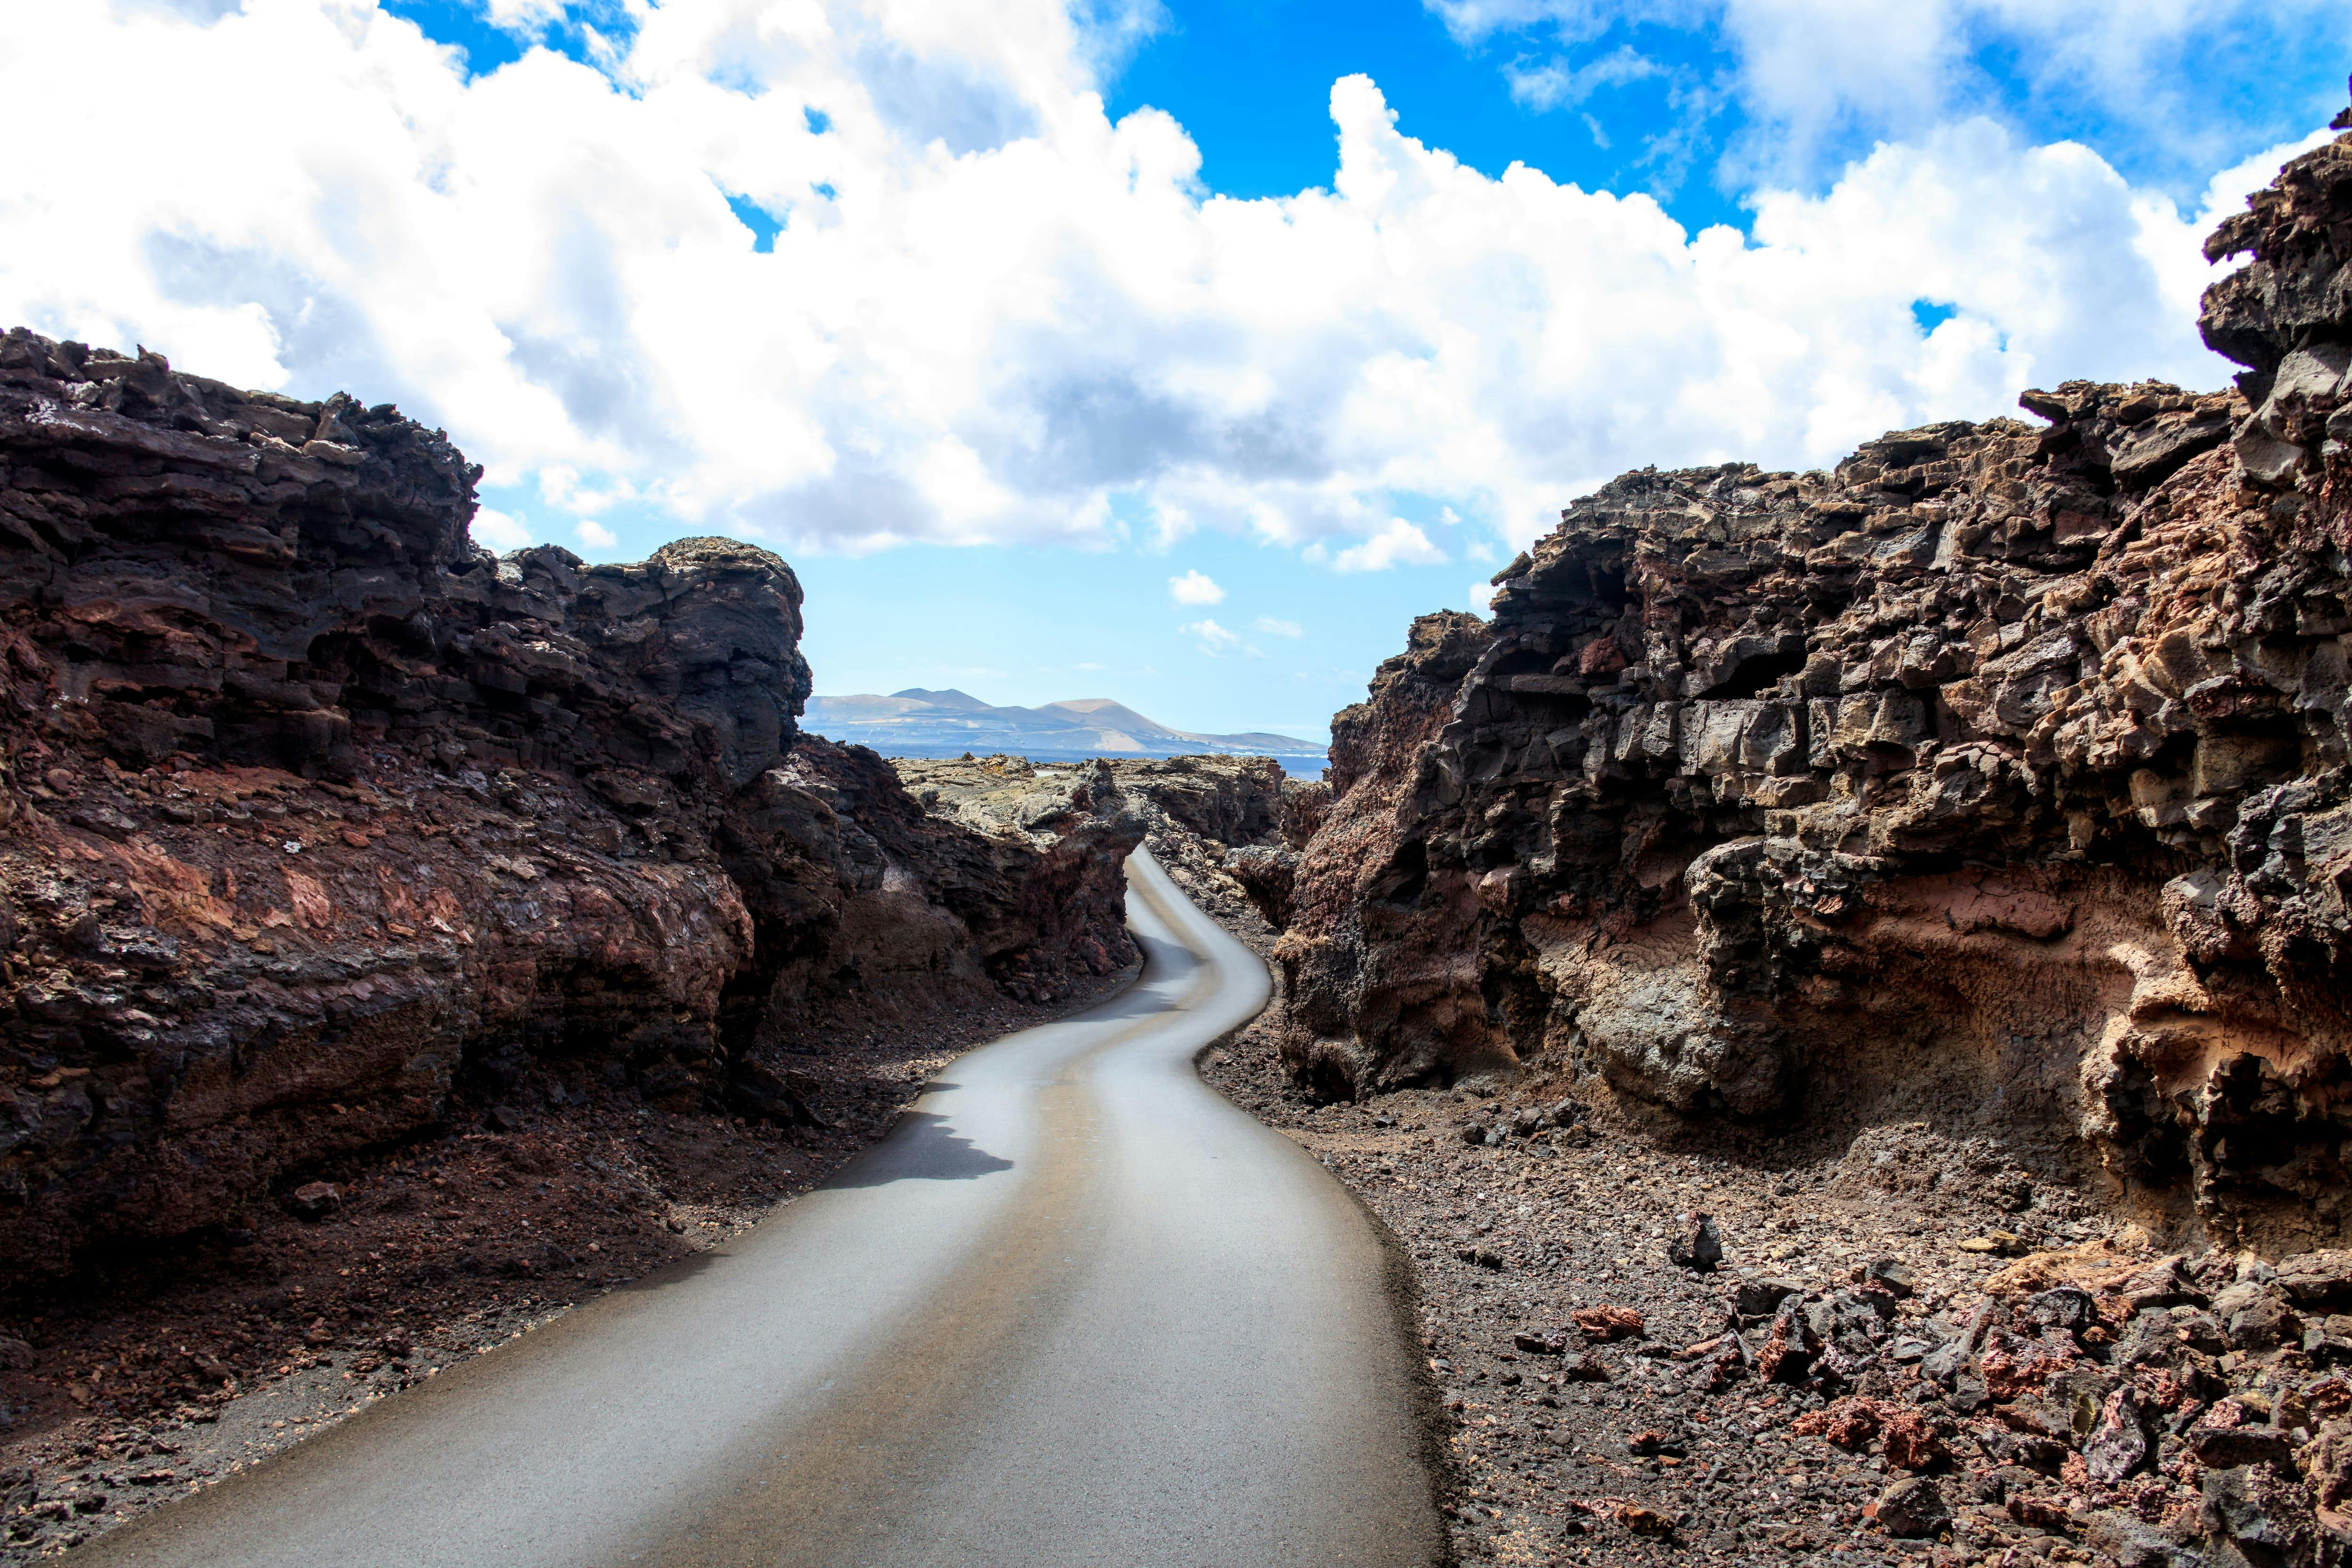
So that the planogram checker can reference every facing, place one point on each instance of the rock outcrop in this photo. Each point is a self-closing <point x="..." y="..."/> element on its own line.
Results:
<point x="1226" y="830"/>
<point x="1998" y="776"/>
<point x="316" y="816"/>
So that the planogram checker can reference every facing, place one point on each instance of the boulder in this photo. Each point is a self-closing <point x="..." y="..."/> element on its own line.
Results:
<point x="1912" y="1509"/>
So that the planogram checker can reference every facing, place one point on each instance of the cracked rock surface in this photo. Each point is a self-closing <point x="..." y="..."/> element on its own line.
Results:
<point x="1997" y="777"/>
<point x="317" y="821"/>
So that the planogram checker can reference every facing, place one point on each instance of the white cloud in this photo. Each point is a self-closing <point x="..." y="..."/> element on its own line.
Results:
<point x="1556" y="84"/>
<point x="596" y="535"/>
<point x="1213" y="639"/>
<point x="1009" y="310"/>
<point x="526" y="18"/>
<point x="1481" y="597"/>
<point x="1193" y="588"/>
<point x="1399" y="544"/>
<point x="1275" y="628"/>
<point x="499" y="531"/>
<point x="2174" y="74"/>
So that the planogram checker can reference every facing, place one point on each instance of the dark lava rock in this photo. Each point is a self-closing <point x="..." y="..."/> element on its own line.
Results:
<point x="1696" y="1244"/>
<point x="1912" y="1509"/>
<point x="2233" y="1448"/>
<point x="1747" y="764"/>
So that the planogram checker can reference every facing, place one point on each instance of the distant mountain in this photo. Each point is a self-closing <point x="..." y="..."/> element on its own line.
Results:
<point x="920" y="723"/>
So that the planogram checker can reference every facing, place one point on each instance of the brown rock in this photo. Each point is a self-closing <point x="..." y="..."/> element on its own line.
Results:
<point x="388" y="808"/>
<point x="1752" y="774"/>
<point x="1607" y="1322"/>
<point x="1645" y="1520"/>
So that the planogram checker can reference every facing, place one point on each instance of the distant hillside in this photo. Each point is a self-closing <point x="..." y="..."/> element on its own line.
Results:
<point x="920" y="723"/>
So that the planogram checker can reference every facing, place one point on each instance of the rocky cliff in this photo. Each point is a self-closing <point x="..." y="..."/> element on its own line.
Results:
<point x="321" y="825"/>
<point x="1225" y="828"/>
<point x="1998" y="777"/>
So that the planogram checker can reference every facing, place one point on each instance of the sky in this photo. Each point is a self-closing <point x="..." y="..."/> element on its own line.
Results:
<point x="1172" y="351"/>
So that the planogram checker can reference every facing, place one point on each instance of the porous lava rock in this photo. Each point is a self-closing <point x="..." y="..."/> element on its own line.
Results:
<point x="316" y="819"/>
<point x="1998" y="776"/>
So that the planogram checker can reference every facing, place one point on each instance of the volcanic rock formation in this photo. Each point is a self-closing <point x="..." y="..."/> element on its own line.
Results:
<point x="1998" y="776"/>
<point x="1226" y="830"/>
<point x="315" y="815"/>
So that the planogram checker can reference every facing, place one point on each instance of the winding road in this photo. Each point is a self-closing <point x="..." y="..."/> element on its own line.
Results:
<point x="1075" y="1309"/>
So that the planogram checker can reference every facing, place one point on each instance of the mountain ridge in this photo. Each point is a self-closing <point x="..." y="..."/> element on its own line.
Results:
<point x="918" y="721"/>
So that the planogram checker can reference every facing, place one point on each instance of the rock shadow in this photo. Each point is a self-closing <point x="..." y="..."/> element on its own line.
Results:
<point x="922" y="1148"/>
<point x="1166" y="966"/>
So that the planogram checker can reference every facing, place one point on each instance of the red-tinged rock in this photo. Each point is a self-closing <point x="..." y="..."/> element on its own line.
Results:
<point x="1791" y="1349"/>
<point x="2125" y="1441"/>
<point x="1911" y="1444"/>
<point x="2041" y="1512"/>
<point x="1607" y="1323"/>
<point x="1748" y="768"/>
<point x="1645" y="1520"/>
<point x="368" y="802"/>
<point x="1850" y="1424"/>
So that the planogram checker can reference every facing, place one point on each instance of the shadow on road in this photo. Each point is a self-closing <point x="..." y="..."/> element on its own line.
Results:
<point x="922" y="1148"/>
<point x="1136" y="1002"/>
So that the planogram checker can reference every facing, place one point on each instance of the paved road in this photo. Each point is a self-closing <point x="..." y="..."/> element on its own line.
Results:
<point x="1075" y="1309"/>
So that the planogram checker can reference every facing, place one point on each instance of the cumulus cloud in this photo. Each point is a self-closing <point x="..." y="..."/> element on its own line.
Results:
<point x="1400" y="544"/>
<point x="596" y="535"/>
<point x="498" y="532"/>
<point x="991" y="314"/>
<point x="1482" y="596"/>
<point x="1278" y="628"/>
<point x="1193" y="588"/>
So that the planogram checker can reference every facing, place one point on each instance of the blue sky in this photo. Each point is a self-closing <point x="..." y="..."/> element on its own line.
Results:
<point x="995" y="322"/>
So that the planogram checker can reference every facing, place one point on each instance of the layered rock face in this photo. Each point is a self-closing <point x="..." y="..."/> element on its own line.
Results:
<point x="1998" y="776"/>
<point x="315" y="815"/>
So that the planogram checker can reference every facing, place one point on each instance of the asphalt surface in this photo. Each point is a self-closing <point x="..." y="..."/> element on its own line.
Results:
<point x="1075" y="1309"/>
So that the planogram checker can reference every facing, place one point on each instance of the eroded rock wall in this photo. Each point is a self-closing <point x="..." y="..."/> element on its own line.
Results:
<point x="1997" y="776"/>
<point x="317" y="819"/>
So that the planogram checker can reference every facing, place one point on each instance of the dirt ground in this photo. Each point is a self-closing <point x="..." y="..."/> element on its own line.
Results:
<point x="152" y="1376"/>
<point x="1608" y="1404"/>
<point x="1615" y="1392"/>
